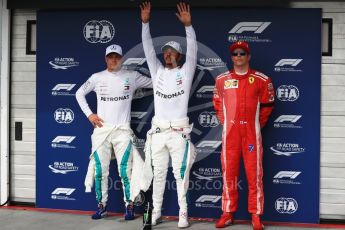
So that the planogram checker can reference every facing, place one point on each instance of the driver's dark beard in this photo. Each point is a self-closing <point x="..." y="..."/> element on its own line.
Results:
<point x="172" y="65"/>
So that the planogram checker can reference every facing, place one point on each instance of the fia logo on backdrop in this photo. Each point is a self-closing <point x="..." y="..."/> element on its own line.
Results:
<point x="287" y="93"/>
<point x="64" y="116"/>
<point x="208" y="119"/>
<point x="286" y="205"/>
<point x="101" y="31"/>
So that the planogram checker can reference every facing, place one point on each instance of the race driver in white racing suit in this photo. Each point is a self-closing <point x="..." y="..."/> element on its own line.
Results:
<point x="170" y="125"/>
<point x="114" y="88"/>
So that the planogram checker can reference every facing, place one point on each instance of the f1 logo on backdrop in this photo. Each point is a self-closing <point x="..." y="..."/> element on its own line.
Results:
<point x="134" y="61"/>
<point x="208" y="198"/>
<point x="287" y="93"/>
<point x="287" y="174"/>
<point x="63" y="191"/>
<point x="101" y="31"/>
<point x="62" y="194"/>
<point x="287" y="177"/>
<point x="136" y="64"/>
<point x="65" y="139"/>
<point x="63" y="142"/>
<point x="67" y="87"/>
<point x="205" y="91"/>
<point x="287" y="121"/>
<point x="208" y="201"/>
<point x="211" y="144"/>
<point x="241" y="30"/>
<point x="64" y="116"/>
<point x="138" y="115"/>
<point x="286" y="205"/>
<point x="206" y="88"/>
<point x="288" y="118"/>
<point x="256" y="27"/>
<point x="289" y="62"/>
<point x="287" y="65"/>
<point x="63" y="90"/>
<point x="208" y="147"/>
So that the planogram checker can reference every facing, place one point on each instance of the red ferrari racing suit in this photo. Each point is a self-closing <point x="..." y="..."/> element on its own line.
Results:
<point x="243" y="104"/>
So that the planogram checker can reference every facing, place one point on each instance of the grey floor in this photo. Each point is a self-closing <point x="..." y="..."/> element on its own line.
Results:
<point x="34" y="220"/>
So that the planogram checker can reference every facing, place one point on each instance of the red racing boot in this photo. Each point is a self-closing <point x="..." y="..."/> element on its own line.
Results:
<point x="226" y="219"/>
<point x="256" y="222"/>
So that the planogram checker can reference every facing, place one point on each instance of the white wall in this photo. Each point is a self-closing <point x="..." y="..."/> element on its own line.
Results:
<point x="23" y="109"/>
<point x="1" y="3"/>
<point x="4" y="84"/>
<point x="332" y="203"/>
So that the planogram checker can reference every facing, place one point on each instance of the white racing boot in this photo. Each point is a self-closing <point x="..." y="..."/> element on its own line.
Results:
<point x="156" y="217"/>
<point x="183" y="219"/>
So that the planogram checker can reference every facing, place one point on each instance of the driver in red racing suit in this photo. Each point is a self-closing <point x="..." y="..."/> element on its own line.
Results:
<point x="243" y="100"/>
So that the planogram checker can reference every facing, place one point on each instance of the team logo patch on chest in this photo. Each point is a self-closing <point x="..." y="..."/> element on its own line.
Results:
<point x="178" y="79"/>
<point x="231" y="84"/>
<point x="251" y="80"/>
<point x="126" y="85"/>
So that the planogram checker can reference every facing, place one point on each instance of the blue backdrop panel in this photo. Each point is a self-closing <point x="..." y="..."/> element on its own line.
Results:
<point x="285" y="45"/>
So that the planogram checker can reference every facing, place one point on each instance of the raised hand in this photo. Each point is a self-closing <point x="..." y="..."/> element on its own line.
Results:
<point x="184" y="14"/>
<point x="145" y="8"/>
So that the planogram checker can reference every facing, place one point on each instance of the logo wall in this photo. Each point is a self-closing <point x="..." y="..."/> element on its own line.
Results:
<point x="290" y="136"/>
